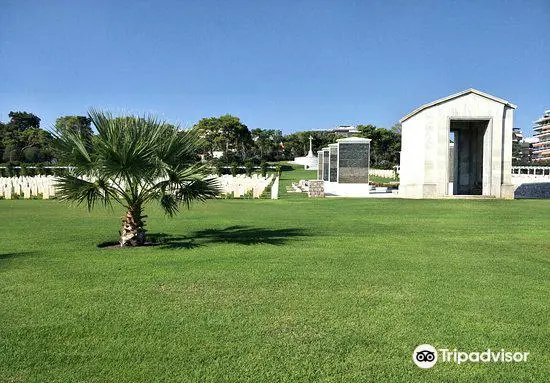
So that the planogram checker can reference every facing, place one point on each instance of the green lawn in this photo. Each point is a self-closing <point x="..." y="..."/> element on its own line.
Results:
<point x="292" y="290"/>
<point x="296" y="174"/>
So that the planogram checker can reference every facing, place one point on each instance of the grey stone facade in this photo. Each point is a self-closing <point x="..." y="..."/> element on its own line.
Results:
<point x="353" y="162"/>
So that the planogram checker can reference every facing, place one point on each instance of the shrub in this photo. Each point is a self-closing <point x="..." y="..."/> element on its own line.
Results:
<point x="263" y="168"/>
<point x="39" y="170"/>
<point x="249" y="166"/>
<point x="248" y="195"/>
<point x="9" y="170"/>
<point x="285" y="167"/>
<point x="47" y="171"/>
<point x="234" y="169"/>
<point x="31" y="154"/>
<point x="219" y="169"/>
<point x="58" y="172"/>
<point x="392" y="185"/>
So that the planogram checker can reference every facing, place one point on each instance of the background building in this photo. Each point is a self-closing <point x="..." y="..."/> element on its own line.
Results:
<point x="343" y="130"/>
<point x="541" y="149"/>
<point x="522" y="148"/>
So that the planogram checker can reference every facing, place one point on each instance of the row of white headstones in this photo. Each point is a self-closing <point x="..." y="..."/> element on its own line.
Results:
<point x="27" y="187"/>
<point x="242" y="185"/>
<point x="44" y="186"/>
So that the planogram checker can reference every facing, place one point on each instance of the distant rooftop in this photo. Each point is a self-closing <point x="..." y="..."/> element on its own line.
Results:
<point x="545" y="117"/>
<point x="531" y="140"/>
<point x="339" y="129"/>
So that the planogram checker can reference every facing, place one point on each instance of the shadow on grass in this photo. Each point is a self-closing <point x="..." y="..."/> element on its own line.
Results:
<point x="16" y="255"/>
<point x="242" y="235"/>
<point x="172" y="241"/>
<point x="155" y="239"/>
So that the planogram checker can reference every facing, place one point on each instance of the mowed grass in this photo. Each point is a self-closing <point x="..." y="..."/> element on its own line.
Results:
<point x="296" y="174"/>
<point x="293" y="290"/>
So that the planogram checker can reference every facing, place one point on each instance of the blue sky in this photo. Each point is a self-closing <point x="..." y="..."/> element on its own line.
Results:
<point x="288" y="65"/>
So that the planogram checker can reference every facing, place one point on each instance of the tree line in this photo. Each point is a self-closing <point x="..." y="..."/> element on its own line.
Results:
<point x="228" y="136"/>
<point x="226" y="140"/>
<point x="23" y="141"/>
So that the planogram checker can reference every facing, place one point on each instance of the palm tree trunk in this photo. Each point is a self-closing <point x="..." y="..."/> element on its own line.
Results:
<point x="133" y="232"/>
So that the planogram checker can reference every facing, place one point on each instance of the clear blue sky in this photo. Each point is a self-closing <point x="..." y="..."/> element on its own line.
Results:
<point x="288" y="65"/>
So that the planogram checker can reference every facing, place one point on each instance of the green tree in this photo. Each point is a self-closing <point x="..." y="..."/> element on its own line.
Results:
<point x="77" y="124"/>
<point x="297" y="144"/>
<point x="133" y="161"/>
<point x="21" y="139"/>
<point x="385" y="144"/>
<point x="267" y="144"/>
<point x="225" y="133"/>
<point x="39" y="142"/>
<point x="23" y="120"/>
<point x="11" y="153"/>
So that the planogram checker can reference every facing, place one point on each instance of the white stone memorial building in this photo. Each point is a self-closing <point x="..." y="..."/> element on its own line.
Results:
<point x="479" y="126"/>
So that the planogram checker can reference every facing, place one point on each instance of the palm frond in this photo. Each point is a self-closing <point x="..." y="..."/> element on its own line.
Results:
<point x="181" y="148"/>
<point x="199" y="190"/>
<point x="71" y="188"/>
<point x="169" y="204"/>
<point x="74" y="150"/>
<point x="136" y="159"/>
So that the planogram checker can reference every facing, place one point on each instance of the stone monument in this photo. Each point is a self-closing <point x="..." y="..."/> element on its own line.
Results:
<point x="480" y="164"/>
<point x="346" y="167"/>
<point x="309" y="161"/>
<point x="353" y="160"/>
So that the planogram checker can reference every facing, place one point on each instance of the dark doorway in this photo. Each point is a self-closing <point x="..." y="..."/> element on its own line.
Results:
<point x="467" y="169"/>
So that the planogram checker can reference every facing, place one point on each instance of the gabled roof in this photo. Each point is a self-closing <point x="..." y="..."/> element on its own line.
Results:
<point x="456" y="95"/>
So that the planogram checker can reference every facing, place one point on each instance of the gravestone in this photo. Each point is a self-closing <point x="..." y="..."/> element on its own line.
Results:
<point x="257" y="191"/>
<point x="353" y="160"/>
<point x="275" y="189"/>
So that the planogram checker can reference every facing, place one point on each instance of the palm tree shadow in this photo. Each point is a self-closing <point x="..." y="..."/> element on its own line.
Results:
<point x="242" y="235"/>
<point x="171" y="241"/>
<point x="16" y="255"/>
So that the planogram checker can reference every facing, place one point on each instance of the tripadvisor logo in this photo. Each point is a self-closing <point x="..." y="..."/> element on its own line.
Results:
<point x="425" y="356"/>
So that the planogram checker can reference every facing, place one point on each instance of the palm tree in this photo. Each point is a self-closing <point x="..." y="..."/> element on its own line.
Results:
<point x="132" y="161"/>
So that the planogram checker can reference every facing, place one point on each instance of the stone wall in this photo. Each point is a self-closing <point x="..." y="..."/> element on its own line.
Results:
<point x="316" y="189"/>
